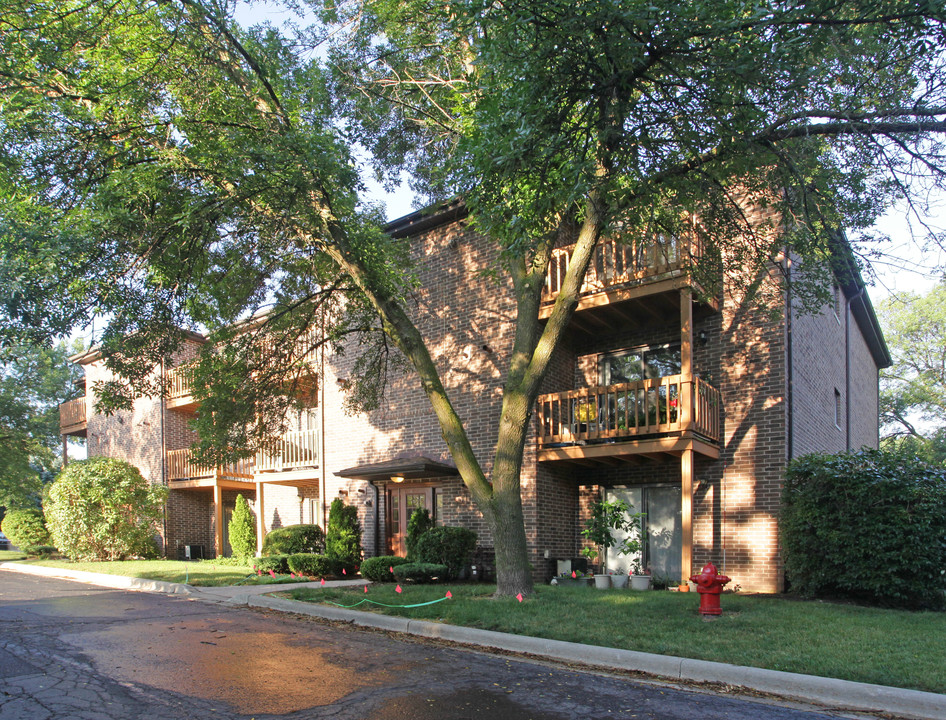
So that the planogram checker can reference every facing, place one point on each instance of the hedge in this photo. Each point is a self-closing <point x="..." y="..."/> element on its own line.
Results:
<point x="25" y="527"/>
<point x="377" y="569"/>
<point x="294" y="539"/>
<point x="450" y="546"/>
<point x="420" y="572"/>
<point x="866" y="525"/>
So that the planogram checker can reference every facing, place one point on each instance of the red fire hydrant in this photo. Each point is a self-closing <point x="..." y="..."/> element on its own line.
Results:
<point x="709" y="583"/>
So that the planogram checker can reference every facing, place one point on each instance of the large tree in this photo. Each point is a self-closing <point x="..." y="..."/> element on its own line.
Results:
<point x="33" y="382"/>
<point x="913" y="389"/>
<point x="163" y="167"/>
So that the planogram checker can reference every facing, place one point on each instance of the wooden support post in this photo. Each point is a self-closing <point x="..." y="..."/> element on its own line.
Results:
<point x="218" y="513"/>
<point x="65" y="450"/>
<point x="260" y="515"/>
<point x="686" y="359"/>
<point x="686" y="514"/>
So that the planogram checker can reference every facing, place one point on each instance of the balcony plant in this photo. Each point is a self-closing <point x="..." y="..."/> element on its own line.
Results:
<point x="606" y="517"/>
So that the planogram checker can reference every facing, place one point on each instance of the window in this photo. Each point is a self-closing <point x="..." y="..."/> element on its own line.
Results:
<point x="837" y="302"/>
<point x="640" y="364"/>
<point x="837" y="408"/>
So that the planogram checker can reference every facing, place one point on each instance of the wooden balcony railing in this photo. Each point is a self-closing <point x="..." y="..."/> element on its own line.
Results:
<point x="179" y="381"/>
<point x="182" y="467"/>
<point x="293" y="450"/>
<point x="644" y="407"/>
<point x="72" y="413"/>
<point x="622" y="261"/>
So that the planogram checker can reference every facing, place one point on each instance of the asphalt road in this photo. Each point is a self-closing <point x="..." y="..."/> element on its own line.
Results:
<point x="70" y="650"/>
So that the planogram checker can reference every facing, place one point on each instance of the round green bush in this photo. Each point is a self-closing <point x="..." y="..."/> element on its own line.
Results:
<point x="377" y="569"/>
<point x="43" y="551"/>
<point x="450" y="546"/>
<point x="420" y="572"/>
<point x="25" y="528"/>
<point x="276" y="563"/>
<point x="316" y="565"/>
<point x="294" y="539"/>
<point x="104" y="509"/>
<point x="417" y="524"/>
<point x="866" y="525"/>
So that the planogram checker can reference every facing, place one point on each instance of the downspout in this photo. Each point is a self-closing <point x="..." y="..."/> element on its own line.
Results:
<point x="323" y="483"/>
<point x="377" y="518"/>
<point x="847" y="366"/>
<point x="789" y="362"/>
<point x="164" y="458"/>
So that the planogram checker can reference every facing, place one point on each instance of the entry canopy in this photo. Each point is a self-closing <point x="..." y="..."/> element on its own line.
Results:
<point x="408" y="468"/>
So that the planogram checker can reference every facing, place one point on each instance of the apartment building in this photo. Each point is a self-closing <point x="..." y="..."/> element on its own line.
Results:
<point x="685" y="403"/>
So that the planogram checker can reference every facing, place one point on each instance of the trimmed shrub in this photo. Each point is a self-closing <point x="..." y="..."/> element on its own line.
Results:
<point x="343" y="534"/>
<point x="417" y="524"/>
<point x="25" y="528"/>
<point x="420" y="572"/>
<point x="315" y="565"/>
<point x="276" y="563"/>
<point x="43" y="551"/>
<point x="294" y="539"/>
<point x="376" y="569"/>
<point x="103" y="509"/>
<point x="450" y="546"/>
<point x="242" y="529"/>
<point x="867" y="525"/>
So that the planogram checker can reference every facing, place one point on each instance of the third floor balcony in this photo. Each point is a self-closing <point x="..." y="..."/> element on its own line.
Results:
<point x="631" y="280"/>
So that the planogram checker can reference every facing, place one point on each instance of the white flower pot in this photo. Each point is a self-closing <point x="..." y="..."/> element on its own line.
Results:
<point x="619" y="581"/>
<point x="640" y="582"/>
<point x="602" y="582"/>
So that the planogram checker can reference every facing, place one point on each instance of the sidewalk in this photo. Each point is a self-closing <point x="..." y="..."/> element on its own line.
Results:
<point x="827" y="692"/>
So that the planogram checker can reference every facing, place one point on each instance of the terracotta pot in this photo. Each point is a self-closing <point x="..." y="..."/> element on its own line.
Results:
<point x="683" y="587"/>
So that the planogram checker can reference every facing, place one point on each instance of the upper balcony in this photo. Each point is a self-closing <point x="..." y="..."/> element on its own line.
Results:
<point x="650" y="418"/>
<point x="73" y="417"/>
<point x="179" y="381"/>
<point x="289" y="460"/>
<point x="629" y="279"/>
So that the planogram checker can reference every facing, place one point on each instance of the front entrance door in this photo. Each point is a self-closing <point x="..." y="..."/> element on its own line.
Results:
<point x="402" y="501"/>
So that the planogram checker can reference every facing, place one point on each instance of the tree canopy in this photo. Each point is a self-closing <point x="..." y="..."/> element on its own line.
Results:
<point x="913" y="389"/>
<point x="33" y="382"/>
<point x="164" y="168"/>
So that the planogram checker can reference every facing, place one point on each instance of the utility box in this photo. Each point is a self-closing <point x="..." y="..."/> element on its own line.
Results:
<point x="193" y="552"/>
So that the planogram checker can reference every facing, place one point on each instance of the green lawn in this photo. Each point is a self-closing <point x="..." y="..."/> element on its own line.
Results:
<point x="887" y="647"/>
<point x="202" y="573"/>
<point x="8" y="555"/>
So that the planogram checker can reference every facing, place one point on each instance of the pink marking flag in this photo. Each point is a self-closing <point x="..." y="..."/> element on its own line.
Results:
<point x="259" y="572"/>
<point x="272" y="574"/>
<point x="449" y="594"/>
<point x="398" y="589"/>
<point x="344" y="572"/>
<point x="366" y="589"/>
<point x="391" y="569"/>
<point x="323" y="582"/>
<point x="519" y="597"/>
<point x="292" y="574"/>
<point x="573" y="574"/>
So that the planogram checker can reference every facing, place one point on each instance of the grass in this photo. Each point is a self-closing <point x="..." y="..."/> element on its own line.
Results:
<point x="872" y="645"/>
<point x="10" y="555"/>
<point x="202" y="573"/>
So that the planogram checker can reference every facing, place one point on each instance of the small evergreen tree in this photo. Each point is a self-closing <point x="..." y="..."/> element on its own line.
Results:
<point x="343" y="535"/>
<point x="417" y="524"/>
<point x="242" y="529"/>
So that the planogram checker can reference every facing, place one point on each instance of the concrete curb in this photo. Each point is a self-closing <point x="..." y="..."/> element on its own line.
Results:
<point x="113" y="581"/>
<point x="822" y="691"/>
<point x="827" y="692"/>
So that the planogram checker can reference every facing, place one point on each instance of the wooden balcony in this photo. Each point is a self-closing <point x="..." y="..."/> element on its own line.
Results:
<point x="291" y="459"/>
<point x="631" y="280"/>
<point x="73" y="417"/>
<point x="179" y="382"/>
<point x="184" y="472"/>
<point x="649" y="418"/>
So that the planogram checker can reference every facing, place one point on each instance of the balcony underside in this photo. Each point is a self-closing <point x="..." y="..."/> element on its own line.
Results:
<point x="635" y="451"/>
<point x="648" y="303"/>
<point x="208" y="483"/>
<point x="183" y="403"/>
<point x="75" y="430"/>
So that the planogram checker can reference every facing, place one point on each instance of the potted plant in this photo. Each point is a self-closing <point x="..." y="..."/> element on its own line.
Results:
<point x="640" y="578"/>
<point x="619" y="580"/>
<point x="606" y="517"/>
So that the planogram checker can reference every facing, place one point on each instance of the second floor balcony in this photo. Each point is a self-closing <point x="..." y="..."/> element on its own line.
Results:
<point x="73" y="417"/>
<point x="294" y="453"/>
<point x="672" y="406"/>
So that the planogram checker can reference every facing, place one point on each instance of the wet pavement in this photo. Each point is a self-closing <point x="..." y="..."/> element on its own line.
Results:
<point x="70" y="650"/>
